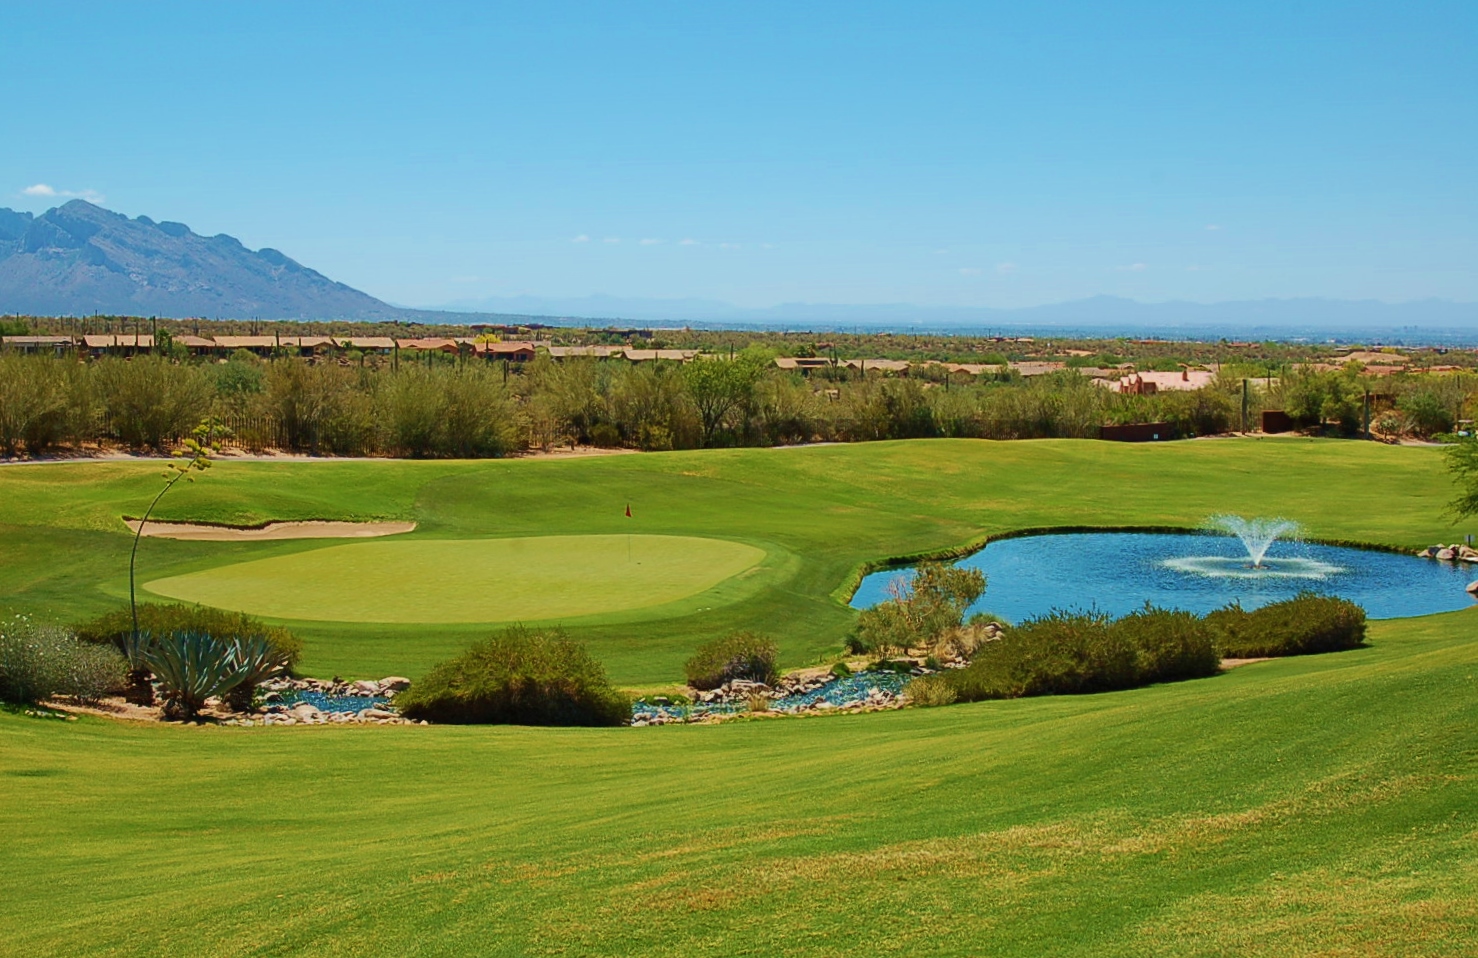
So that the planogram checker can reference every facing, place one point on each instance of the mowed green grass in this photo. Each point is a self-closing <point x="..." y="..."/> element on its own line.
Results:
<point x="1320" y="806"/>
<point x="818" y="514"/>
<point x="466" y="580"/>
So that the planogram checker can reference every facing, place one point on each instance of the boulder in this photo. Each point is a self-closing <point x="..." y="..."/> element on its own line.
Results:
<point x="1473" y="587"/>
<point x="395" y="683"/>
<point x="1446" y="554"/>
<point x="367" y="687"/>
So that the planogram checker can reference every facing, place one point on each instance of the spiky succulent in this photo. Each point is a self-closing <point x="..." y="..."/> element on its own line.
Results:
<point x="190" y="667"/>
<point x="258" y="660"/>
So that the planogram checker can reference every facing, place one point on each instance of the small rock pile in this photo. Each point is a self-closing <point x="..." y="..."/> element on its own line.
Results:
<point x="337" y="687"/>
<point x="1456" y="552"/>
<point x="797" y="694"/>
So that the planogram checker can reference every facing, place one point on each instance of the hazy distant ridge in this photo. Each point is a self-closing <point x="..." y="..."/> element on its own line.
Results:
<point x="1098" y="311"/>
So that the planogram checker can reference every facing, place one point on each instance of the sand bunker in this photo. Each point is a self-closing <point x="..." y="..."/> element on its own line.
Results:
<point x="273" y="530"/>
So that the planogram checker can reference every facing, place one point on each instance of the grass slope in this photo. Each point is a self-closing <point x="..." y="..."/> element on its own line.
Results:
<point x="468" y="580"/>
<point x="818" y="513"/>
<point x="1317" y="806"/>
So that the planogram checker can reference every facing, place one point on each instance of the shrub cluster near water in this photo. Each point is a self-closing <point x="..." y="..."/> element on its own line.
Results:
<point x="521" y="677"/>
<point x="1065" y="653"/>
<point x="1304" y="625"/>
<point x="742" y="655"/>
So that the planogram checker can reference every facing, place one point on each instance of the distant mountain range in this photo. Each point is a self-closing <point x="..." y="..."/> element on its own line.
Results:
<point x="1283" y="317"/>
<point x="80" y="259"/>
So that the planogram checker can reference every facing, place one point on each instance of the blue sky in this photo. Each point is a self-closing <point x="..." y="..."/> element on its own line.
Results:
<point x="933" y="153"/>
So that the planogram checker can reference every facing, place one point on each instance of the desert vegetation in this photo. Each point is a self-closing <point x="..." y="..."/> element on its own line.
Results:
<point x="1067" y="653"/>
<point x="739" y="655"/>
<point x="450" y="407"/>
<point x="519" y="677"/>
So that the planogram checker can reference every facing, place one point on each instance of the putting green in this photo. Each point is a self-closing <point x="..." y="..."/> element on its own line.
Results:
<point x="468" y="580"/>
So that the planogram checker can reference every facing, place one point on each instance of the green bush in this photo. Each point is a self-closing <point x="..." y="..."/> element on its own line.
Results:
<point x="116" y="627"/>
<point x="38" y="662"/>
<point x="1306" y="624"/>
<point x="741" y="655"/>
<point x="518" y="678"/>
<point x="1067" y="653"/>
<point x="1169" y="646"/>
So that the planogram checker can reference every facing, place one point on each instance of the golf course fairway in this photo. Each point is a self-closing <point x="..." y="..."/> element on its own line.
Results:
<point x="469" y="580"/>
<point x="1306" y="807"/>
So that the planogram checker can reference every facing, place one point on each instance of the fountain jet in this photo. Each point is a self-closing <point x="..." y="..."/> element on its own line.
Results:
<point x="1257" y="535"/>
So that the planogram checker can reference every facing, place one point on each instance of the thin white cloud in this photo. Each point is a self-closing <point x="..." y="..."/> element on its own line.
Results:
<point x="1006" y="269"/>
<point x="50" y="192"/>
<point x="582" y="238"/>
<point x="650" y="242"/>
<point x="969" y="271"/>
<point x="1133" y="268"/>
<point x="1213" y="227"/>
<point x="688" y="241"/>
<point x="728" y="246"/>
<point x="611" y="239"/>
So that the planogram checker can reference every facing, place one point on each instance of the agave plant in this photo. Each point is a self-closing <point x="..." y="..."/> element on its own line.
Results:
<point x="258" y="660"/>
<point x="190" y="668"/>
<point x="135" y="646"/>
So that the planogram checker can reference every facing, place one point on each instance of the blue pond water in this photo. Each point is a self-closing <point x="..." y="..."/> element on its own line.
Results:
<point x="333" y="703"/>
<point x="1117" y="572"/>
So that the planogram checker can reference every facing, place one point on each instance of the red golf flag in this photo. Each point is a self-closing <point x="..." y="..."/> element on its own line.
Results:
<point x="628" y="510"/>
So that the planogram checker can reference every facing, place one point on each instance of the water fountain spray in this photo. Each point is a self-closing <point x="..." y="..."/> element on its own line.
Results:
<point x="1257" y="535"/>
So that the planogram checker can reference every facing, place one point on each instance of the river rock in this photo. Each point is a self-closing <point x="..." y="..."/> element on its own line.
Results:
<point x="1473" y="587"/>
<point x="395" y="683"/>
<point x="1446" y="554"/>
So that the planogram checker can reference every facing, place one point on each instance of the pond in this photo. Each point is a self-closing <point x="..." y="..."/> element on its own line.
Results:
<point x="1117" y="572"/>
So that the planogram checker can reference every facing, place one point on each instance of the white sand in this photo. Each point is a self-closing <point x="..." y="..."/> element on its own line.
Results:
<point x="273" y="530"/>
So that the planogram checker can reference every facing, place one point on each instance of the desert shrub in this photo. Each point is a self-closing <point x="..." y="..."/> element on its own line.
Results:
<point x="1306" y="624"/>
<point x="191" y="667"/>
<point x="93" y="672"/>
<point x="1056" y="654"/>
<point x="605" y="435"/>
<point x="520" y="677"/>
<point x="740" y="655"/>
<point x="1169" y="646"/>
<point x="148" y="401"/>
<point x="33" y="402"/>
<point x="928" y="691"/>
<point x="39" y="661"/>
<point x="116" y="627"/>
<point x="920" y="612"/>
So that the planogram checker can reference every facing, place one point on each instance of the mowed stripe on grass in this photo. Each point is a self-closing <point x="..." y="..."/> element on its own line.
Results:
<point x="469" y="580"/>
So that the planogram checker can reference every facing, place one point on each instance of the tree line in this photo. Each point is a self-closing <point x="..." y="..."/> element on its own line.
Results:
<point x="446" y="408"/>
